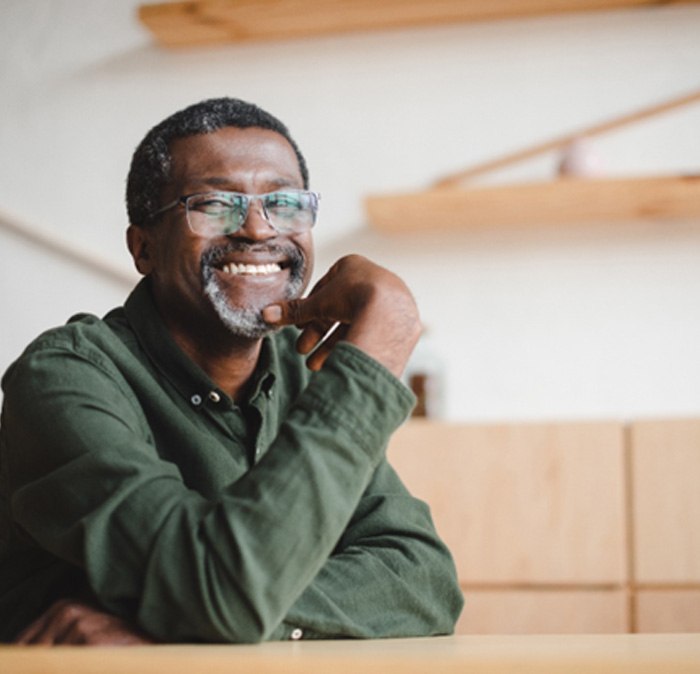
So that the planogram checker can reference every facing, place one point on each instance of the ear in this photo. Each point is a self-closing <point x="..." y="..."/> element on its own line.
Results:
<point x="139" y="241"/>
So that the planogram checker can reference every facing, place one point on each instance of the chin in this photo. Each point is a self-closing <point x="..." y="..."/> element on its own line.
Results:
<point x="240" y="321"/>
<point x="247" y="321"/>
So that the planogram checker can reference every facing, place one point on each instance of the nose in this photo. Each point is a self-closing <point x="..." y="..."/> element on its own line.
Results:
<point x="256" y="226"/>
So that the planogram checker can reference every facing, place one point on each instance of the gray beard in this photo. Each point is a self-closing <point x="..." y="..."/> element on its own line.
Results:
<point x="247" y="321"/>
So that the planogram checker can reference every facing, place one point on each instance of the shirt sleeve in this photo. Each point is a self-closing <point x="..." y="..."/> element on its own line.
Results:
<point x="389" y="576"/>
<point x="88" y="486"/>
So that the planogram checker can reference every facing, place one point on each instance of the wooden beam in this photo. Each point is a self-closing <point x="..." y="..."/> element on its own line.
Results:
<point x="558" y="202"/>
<point x="197" y="22"/>
<point x="455" y="179"/>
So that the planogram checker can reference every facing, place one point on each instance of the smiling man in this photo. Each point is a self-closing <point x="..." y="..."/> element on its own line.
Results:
<point x="207" y="462"/>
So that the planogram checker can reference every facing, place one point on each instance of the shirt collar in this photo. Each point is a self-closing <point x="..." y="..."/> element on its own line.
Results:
<point x="174" y="364"/>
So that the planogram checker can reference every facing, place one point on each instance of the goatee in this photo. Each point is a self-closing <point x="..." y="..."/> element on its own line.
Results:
<point x="247" y="321"/>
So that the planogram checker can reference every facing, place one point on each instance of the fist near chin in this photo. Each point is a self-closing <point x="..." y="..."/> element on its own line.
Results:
<point x="359" y="302"/>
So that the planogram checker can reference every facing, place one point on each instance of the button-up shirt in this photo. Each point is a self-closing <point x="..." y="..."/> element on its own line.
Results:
<point x="128" y="476"/>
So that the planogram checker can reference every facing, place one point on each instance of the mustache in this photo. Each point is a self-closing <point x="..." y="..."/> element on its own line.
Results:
<point x="215" y="254"/>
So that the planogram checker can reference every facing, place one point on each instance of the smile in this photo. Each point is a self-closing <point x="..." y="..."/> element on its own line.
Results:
<point x="251" y="269"/>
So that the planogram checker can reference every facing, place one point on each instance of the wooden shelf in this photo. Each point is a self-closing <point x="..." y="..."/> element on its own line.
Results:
<point x="570" y="200"/>
<point x="199" y="22"/>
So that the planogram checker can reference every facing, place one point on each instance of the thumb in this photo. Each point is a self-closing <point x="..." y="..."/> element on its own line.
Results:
<point x="290" y="312"/>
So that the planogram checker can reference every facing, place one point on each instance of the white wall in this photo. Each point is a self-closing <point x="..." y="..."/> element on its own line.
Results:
<point x="537" y="323"/>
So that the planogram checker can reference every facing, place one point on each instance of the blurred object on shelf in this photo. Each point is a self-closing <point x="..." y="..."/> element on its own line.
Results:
<point x="425" y="376"/>
<point x="579" y="159"/>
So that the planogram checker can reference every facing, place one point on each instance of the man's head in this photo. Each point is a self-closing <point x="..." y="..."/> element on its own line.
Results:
<point x="151" y="164"/>
<point x="199" y="278"/>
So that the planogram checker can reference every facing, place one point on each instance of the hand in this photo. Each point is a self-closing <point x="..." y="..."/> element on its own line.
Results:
<point x="69" y="621"/>
<point x="359" y="302"/>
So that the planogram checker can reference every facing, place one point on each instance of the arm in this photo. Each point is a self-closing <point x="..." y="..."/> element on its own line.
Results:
<point x="88" y="486"/>
<point x="181" y="566"/>
<point x="390" y="575"/>
<point x="389" y="555"/>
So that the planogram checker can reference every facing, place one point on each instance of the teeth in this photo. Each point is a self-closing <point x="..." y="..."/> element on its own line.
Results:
<point x="252" y="269"/>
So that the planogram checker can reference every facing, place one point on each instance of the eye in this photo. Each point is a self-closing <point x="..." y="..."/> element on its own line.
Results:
<point x="216" y="204"/>
<point x="286" y="204"/>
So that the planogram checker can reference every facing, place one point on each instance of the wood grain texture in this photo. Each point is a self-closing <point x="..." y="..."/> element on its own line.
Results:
<point x="666" y="500"/>
<point x="197" y="22"/>
<point x="531" y="654"/>
<point x="522" y="503"/>
<point x="668" y="611"/>
<point x="557" y="202"/>
<point x="544" y="612"/>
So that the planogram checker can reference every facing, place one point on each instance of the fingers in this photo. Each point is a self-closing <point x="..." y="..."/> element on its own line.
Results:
<point x="374" y="307"/>
<point x="292" y="312"/>
<point x="44" y="629"/>
<point x="312" y="335"/>
<point x="73" y="622"/>
<point x="321" y="305"/>
<point x="316" y="360"/>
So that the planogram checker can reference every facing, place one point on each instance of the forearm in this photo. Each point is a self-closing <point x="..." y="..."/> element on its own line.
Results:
<point x="390" y="575"/>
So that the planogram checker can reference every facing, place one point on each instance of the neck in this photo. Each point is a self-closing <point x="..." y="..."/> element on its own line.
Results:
<point x="229" y="366"/>
<point x="229" y="360"/>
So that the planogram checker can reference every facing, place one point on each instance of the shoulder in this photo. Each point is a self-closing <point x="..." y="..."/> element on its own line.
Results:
<point x="85" y="339"/>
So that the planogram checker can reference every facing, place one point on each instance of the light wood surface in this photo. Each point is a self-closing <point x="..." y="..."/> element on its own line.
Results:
<point x="545" y="611"/>
<point x="539" y="503"/>
<point x="567" y="527"/>
<point x="218" y="21"/>
<point x="674" y="610"/>
<point x="555" y="202"/>
<point x="612" y="654"/>
<point x="666" y="498"/>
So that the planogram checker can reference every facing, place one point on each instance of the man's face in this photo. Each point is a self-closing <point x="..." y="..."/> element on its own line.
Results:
<point x="228" y="278"/>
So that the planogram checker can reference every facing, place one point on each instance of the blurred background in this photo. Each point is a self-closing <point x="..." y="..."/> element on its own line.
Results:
<point x="577" y="320"/>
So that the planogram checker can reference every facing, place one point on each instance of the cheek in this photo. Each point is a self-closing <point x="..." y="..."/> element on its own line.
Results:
<point x="305" y="244"/>
<point x="179" y="257"/>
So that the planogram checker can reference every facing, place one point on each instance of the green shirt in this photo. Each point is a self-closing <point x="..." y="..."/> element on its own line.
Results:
<point x="126" y="474"/>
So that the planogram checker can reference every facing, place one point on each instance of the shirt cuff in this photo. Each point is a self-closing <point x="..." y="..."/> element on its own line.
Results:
<point x="361" y="395"/>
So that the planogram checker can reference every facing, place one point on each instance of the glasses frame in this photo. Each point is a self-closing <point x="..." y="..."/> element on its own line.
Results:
<point x="248" y="200"/>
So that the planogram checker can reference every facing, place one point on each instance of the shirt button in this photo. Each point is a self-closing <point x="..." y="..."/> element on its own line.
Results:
<point x="297" y="633"/>
<point x="196" y="399"/>
<point x="214" y="396"/>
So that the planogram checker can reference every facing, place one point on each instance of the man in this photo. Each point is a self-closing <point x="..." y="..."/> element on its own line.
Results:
<point x="183" y="469"/>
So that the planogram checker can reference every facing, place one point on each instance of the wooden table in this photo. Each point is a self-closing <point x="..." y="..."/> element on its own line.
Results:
<point x="594" y="654"/>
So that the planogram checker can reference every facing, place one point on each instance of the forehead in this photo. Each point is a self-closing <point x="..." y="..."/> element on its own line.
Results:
<point x="235" y="154"/>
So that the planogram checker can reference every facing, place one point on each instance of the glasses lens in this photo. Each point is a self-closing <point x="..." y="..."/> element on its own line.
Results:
<point x="216" y="213"/>
<point x="220" y="213"/>
<point x="291" y="210"/>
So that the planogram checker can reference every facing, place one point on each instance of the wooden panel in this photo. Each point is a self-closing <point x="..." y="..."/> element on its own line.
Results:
<point x="521" y="503"/>
<point x="668" y="611"/>
<point x="556" y="202"/>
<point x="666" y="496"/>
<point x="217" y="21"/>
<point x="543" y="612"/>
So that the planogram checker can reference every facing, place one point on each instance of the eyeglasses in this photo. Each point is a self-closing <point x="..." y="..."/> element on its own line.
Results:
<point x="219" y="213"/>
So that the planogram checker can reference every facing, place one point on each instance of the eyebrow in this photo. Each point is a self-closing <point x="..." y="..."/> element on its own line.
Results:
<point x="220" y="181"/>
